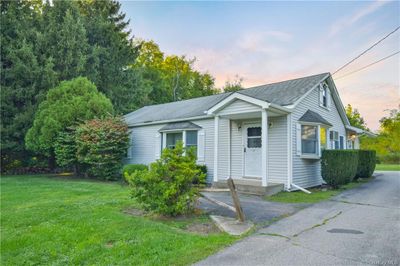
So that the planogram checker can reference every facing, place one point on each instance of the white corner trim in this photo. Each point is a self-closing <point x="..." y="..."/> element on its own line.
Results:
<point x="289" y="150"/>
<point x="216" y="137"/>
<point x="236" y="96"/>
<point x="264" y="148"/>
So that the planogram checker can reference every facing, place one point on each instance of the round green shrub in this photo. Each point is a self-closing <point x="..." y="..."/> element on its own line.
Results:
<point x="168" y="186"/>
<point x="338" y="167"/>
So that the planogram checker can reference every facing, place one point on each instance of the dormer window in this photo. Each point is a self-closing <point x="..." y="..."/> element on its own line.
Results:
<point x="324" y="95"/>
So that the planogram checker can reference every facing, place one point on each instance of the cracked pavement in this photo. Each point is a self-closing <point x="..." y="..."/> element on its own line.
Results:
<point x="358" y="227"/>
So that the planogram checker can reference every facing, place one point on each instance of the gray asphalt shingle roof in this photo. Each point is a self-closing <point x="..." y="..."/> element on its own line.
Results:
<point x="314" y="117"/>
<point x="180" y="125"/>
<point x="280" y="93"/>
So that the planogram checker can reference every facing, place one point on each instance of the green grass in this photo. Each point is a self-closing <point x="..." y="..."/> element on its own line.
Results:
<point x="317" y="194"/>
<point x="55" y="221"/>
<point x="387" y="167"/>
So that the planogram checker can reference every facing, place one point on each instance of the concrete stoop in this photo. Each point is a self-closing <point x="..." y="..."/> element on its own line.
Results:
<point x="251" y="186"/>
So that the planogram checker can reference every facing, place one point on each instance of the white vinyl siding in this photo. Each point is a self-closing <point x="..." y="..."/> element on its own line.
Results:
<point x="306" y="172"/>
<point x="223" y="149"/>
<point x="277" y="150"/>
<point x="238" y="107"/>
<point x="145" y="141"/>
<point x="236" y="151"/>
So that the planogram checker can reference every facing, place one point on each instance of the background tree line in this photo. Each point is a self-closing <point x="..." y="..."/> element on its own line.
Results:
<point x="387" y="142"/>
<point x="43" y="44"/>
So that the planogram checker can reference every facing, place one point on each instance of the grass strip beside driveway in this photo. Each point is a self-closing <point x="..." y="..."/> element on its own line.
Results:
<point x="317" y="195"/>
<point x="387" y="167"/>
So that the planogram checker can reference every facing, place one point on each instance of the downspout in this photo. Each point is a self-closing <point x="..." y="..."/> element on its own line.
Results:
<point x="302" y="189"/>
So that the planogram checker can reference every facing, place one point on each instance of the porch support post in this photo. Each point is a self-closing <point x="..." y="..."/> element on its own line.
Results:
<point x="264" y="147"/>
<point x="216" y="129"/>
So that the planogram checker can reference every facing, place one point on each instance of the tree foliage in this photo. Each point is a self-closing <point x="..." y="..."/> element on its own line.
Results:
<point x="45" y="43"/>
<point x="66" y="105"/>
<point x="355" y="118"/>
<point x="170" y="78"/>
<point x="387" y="143"/>
<point x="232" y="86"/>
<point x="101" y="146"/>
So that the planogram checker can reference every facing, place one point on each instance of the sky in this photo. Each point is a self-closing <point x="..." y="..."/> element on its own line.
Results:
<point x="265" y="42"/>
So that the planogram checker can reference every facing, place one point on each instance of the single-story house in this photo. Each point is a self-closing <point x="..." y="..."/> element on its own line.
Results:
<point x="269" y="134"/>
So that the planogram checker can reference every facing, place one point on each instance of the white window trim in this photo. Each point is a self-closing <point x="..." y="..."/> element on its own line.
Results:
<point x="332" y="141"/>
<point x="327" y="95"/>
<point x="316" y="155"/>
<point x="183" y="131"/>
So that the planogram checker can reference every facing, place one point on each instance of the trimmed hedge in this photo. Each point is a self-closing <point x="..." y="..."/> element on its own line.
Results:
<point x="366" y="163"/>
<point x="339" y="167"/>
<point x="130" y="168"/>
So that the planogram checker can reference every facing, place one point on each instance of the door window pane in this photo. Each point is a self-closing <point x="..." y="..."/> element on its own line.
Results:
<point x="172" y="139"/>
<point x="254" y="131"/>
<point x="254" y="142"/>
<point x="254" y="137"/>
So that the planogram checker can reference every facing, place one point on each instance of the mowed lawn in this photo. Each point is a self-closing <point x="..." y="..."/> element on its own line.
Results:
<point x="56" y="221"/>
<point x="387" y="167"/>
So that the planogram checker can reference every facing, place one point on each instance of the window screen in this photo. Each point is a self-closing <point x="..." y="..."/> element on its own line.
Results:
<point x="191" y="138"/>
<point x="172" y="139"/>
<point x="309" y="139"/>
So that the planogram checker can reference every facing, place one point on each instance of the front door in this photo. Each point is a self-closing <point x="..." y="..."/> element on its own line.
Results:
<point x="252" y="150"/>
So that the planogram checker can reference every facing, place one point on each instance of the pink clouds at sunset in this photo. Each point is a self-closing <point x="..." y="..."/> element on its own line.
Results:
<point x="264" y="42"/>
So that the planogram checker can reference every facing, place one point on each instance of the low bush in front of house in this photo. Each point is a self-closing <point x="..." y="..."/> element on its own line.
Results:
<point x="168" y="186"/>
<point x="130" y="168"/>
<point x="366" y="163"/>
<point x="339" y="167"/>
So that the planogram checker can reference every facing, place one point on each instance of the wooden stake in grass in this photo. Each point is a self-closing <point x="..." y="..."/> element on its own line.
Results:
<point x="235" y="199"/>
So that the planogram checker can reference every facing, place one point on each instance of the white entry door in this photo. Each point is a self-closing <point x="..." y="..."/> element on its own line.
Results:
<point x="252" y="150"/>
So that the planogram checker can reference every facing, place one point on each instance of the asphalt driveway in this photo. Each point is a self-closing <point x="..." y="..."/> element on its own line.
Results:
<point x="256" y="209"/>
<point x="358" y="227"/>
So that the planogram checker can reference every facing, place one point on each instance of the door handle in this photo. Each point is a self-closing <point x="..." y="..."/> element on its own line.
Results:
<point x="244" y="149"/>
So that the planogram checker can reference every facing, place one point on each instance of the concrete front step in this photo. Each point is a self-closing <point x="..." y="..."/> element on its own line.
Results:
<point x="251" y="186"/>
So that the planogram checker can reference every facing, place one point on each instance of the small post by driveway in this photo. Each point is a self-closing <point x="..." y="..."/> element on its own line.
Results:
<point x="235" y="198"/>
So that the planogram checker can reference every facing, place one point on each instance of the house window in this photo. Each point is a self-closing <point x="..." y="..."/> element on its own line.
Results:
<point x="323" y="138"/>
<point x="172" y="139"/>
<point x="191" y="139"/>
<point x="309" y="139"/>
<point x="334" y="139"/>
<point x="254" y="137"/>
<point x="341" y="142"/>
<point x="324" y="95"/>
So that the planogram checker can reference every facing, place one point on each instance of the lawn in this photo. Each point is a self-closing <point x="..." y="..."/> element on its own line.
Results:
<point x="317" y="194"/>
<point x="56" y="221"/>
<point x="388" y="167"/>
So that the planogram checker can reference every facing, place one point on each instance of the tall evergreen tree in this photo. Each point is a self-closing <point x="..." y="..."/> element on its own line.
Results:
<point x="25" y="74"/>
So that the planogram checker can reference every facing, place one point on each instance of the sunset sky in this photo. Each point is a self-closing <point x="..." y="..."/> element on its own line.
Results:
<point x="264" y="42"/>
